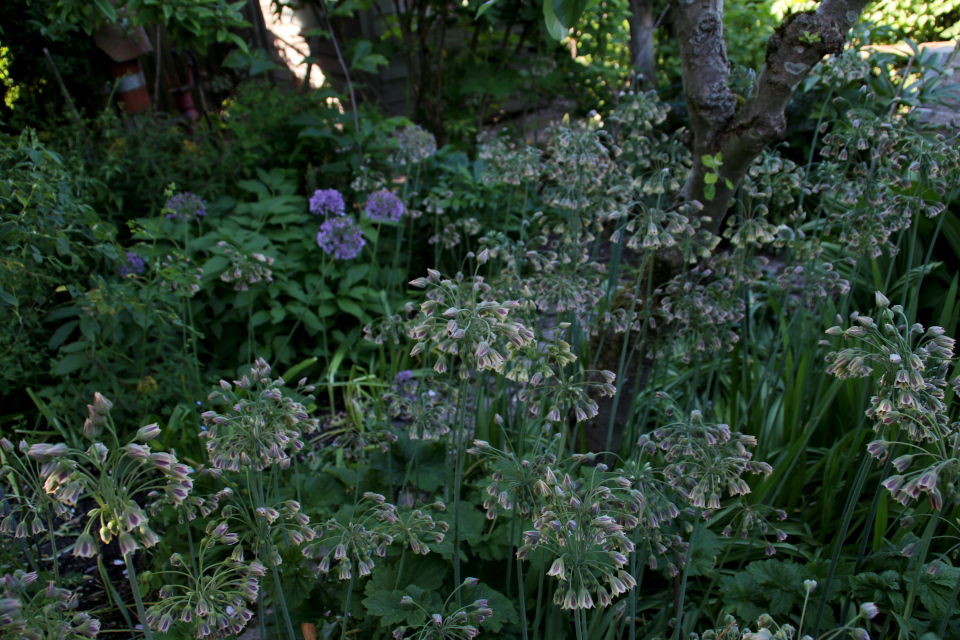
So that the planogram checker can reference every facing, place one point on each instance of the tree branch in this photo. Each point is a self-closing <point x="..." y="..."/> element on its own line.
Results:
<point x="740" y="135"/>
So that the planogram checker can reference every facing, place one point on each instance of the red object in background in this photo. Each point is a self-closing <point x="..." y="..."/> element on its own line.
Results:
<point x="131" y="88"/>
<point x="183" y="96"/>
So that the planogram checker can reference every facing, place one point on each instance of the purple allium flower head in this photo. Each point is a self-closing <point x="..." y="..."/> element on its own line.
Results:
<point x="384" y="205"/>
<point x="186" y="207"/>
<point x="341" y="238"/>
<point x="326" y="202"/>
<point x="134" y="266"/>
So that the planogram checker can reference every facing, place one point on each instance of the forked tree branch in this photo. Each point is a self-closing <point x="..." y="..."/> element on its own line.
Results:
<point x="798" y="44"/>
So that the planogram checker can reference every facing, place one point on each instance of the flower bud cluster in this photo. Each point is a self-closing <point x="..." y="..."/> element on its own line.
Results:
<point x="179" y="277"/>
<point x="353" y="546"/>
<point x="260" y="427"/>
<point x="31" y="612"/>
<point x="914" y="363"/>
<point x="427" y="411"/>
<point x="413" y="144"/>
<point x="461" y="624"/>
<point x="583" y="525"/>
<point x="462" y="324"/>
<point x="116" y="479"/>
<point x="516" y="482"/>
<point x="705" y="459"/>
<point x="259" y="524"/>
<point x="245" y="270"/>
<point x="700" y="307"/>
<point x="413" y="528"/>
<point x="213" y="600"/>
<point x="507" y="162"/>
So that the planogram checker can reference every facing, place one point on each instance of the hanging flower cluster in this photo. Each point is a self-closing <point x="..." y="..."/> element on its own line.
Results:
<point x="461" y="323"/>
<point x="244" y="269"/>
<point x="210" y="596"/>
<point x="352" y="547"/>
<point x="583" y="525"/>
<point x="260" y="426"/>
<point x="913" y="363"/>
<point x="30" y="612"/>
<point x="114" y="478"/>
<point x="463" y="623"/>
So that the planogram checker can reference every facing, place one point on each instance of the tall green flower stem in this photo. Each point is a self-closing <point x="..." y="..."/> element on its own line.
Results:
<point x="458" y="477"/>
<point x="346" y="608"/>
<point x="23" y="543"/>
<point x="934" y="518"/>
<point x="53" y="545"/>
<point x="686" y="571"/>
<point x="132" y="576"/>
<point x="523" y="599"/>
<point x="852" y="500"/>
<point x="260" y="501"/>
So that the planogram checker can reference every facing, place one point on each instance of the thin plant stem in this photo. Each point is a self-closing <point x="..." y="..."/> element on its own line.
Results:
<point x="132" y="577"/>
<point x="283" y="603"/>
<point x="686" y="572"/>
<point x="458" y="473"/>
<point x="523" y="598"/>
<point x="924" y="548"/>
<point x="55" y="560"/>
<point x="346" y="608"/>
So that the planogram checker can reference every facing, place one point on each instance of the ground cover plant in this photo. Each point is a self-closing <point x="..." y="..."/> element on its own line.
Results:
<point x="308" y="373"/>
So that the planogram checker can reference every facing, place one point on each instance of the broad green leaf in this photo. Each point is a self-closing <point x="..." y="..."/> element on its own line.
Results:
<point x="568" y="12"/>
<point x="554" y="26"/>
<point x="349" y="306"/>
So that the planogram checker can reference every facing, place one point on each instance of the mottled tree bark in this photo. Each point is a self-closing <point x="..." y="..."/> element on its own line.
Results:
<point x="642" y="58"/>
<point x="740" y="134"/>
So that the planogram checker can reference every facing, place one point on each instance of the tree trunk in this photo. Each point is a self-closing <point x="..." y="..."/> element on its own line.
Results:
<point x="641" y="42"/>
<point x="740" y="134"/>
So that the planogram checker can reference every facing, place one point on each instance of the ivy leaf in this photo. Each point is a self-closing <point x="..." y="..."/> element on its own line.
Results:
<point x="781" y="583"/>
<point x="740" y="591"/>
<point x="881" y="588"/>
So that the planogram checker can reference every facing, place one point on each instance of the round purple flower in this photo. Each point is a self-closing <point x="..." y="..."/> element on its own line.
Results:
<point x="341" y="238"/>
<point x="134" y="266"/>
<point x="186" y="207"/>
<point x="326" y="202"/>
<point x="384" y="205"/>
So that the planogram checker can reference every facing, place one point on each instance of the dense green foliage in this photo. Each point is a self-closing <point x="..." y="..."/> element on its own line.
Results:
<point x="286" y="370"/>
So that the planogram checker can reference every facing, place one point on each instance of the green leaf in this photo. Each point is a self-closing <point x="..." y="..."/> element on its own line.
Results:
<point x="741" y="593"/>
<point x="8" y="298"/>
<point x="935" y="591"/>
<point x="881" y="588"/>
<point x="709" y="191"/>
<point x="349" y="306"/>
<point x="554" y="26"/>
<point x="484" y="7"/>
<point x="62" y="333"/>
<point x="704" y="551"/>
<point x="568" y="12"/>
<point x="71" y="363"/>
<point x="503" y="610"/>
<point x="386" y="605"/>
<point x="108" y="11"/>
<point x="710" y="178"/>
<point x="781" y="583"/>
